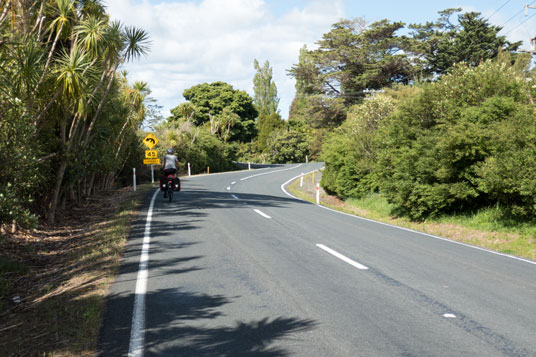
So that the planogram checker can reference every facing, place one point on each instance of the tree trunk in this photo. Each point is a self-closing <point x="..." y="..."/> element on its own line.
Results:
<point x="101" y="104"/>
<point x="121" y="137"/>
<point x="59" y="177"/>
<point x="72" y="195"/>
<point x="43" y="112"/>
<point x="110" y="178"/>
<point x="63" y="202"/>
<point x="90" y="185"/>
<point x="55" y="194"/>
<point x="39" y="21"/>
<point x="5" y="10"/>
<point x="49" y="58"/>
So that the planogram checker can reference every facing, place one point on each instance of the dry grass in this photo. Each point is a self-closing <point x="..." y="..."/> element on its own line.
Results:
<point x="68" y="270"/>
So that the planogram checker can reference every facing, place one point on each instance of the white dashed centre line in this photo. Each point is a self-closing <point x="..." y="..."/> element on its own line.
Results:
<point x="262" y="214"/>
<point x="342" y="257"/>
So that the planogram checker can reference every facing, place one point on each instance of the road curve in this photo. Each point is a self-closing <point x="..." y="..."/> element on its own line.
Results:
<point x="236" y="268"/>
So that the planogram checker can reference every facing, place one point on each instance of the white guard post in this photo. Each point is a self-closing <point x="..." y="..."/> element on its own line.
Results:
<point x="134" y="177"/>
<point x="317" y="193"/>
<point x="249" y="166"/>
<point x="301" y="180"/>
<point x="189" y="171"/>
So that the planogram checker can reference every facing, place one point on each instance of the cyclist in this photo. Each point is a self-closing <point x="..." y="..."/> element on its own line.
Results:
<point x="169" y="165"/>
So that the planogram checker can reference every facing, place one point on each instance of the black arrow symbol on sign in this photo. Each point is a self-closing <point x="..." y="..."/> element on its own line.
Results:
<point x="151" y="140"/>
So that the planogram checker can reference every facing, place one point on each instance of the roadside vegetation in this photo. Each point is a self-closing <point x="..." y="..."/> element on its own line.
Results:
<point x="437" y="137"/>
<point x="484" y="228"/>
<point x="55" y="279"/>
<point x="69" y="118"/>
<point x="69" y="136"/>
<point x="434" y="130"/>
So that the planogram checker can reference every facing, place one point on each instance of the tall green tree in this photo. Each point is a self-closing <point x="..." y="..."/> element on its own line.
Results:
<point x="265" y="99"/>
<point x="210" y="100"/>
<point x="266" y="102"/>
<point x="470" y="39"/>
<point x="353" y="57"/>
<point x="350" y="60"/>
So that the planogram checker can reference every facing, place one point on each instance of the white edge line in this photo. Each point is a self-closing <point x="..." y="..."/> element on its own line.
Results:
<point x="405" y="229"/>
<point x="271" y="172"/>
<point x="292" y="179"/>
<point x="137" y="333"/>
<point x="262" y="214"/>
<point x="342" y="257"/>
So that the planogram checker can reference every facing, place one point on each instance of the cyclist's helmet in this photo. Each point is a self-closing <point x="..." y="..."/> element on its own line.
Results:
<point x="170" y="151"/>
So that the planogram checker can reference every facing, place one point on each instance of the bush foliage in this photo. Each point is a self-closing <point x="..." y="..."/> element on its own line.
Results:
<point x="350" y="151"/>
<point x="460" y="144"/>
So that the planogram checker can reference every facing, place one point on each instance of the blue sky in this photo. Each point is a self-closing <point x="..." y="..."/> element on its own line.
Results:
<point x="196" y="41"/>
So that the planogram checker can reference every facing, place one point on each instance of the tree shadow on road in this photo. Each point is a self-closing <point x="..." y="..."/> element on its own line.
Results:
<point x="253" y="338"/>
<point x="176" y="326"/>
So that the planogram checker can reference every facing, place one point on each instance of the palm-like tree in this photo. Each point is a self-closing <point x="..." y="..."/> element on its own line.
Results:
<point x="59" y="71"/>
<point x="227" y="120"/>
<point x="134" y="98"/>
<point x="86" y="8"/>
<point x="135" y="44"/>
<point x="73" y="77"/>
<point x="91" y="33"/>
<point x="64" y="11"/>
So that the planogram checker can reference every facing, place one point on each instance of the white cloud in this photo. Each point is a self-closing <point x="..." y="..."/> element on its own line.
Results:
<point x="214" y="40"/>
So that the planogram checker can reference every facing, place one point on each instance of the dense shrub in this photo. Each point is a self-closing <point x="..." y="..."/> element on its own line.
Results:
<point x="19" y="175"/>
<point x="195" y="145"/>
<point x="464" y="143"/>
<point x="349" y="153"/>
<point x="289" y="145"/>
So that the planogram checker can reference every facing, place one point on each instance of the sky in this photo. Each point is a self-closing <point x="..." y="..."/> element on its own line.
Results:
<point x="204" y="41"/>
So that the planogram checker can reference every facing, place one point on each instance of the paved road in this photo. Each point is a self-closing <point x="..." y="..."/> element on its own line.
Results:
<point x="238" y="268"/>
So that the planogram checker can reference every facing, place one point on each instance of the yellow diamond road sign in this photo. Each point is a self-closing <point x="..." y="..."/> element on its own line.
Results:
<point x="151" y="154"/>
<point x="150" y="141"/>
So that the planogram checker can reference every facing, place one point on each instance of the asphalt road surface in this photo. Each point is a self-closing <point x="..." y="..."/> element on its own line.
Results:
<point x="236" y="267"/>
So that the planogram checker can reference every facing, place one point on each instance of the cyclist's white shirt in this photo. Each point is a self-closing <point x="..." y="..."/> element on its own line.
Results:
<point x="170" y="162"/>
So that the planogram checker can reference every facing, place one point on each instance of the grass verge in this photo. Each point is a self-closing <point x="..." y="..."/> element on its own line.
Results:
<point x="61" y="275"/>
<point x="483" y="229"/>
